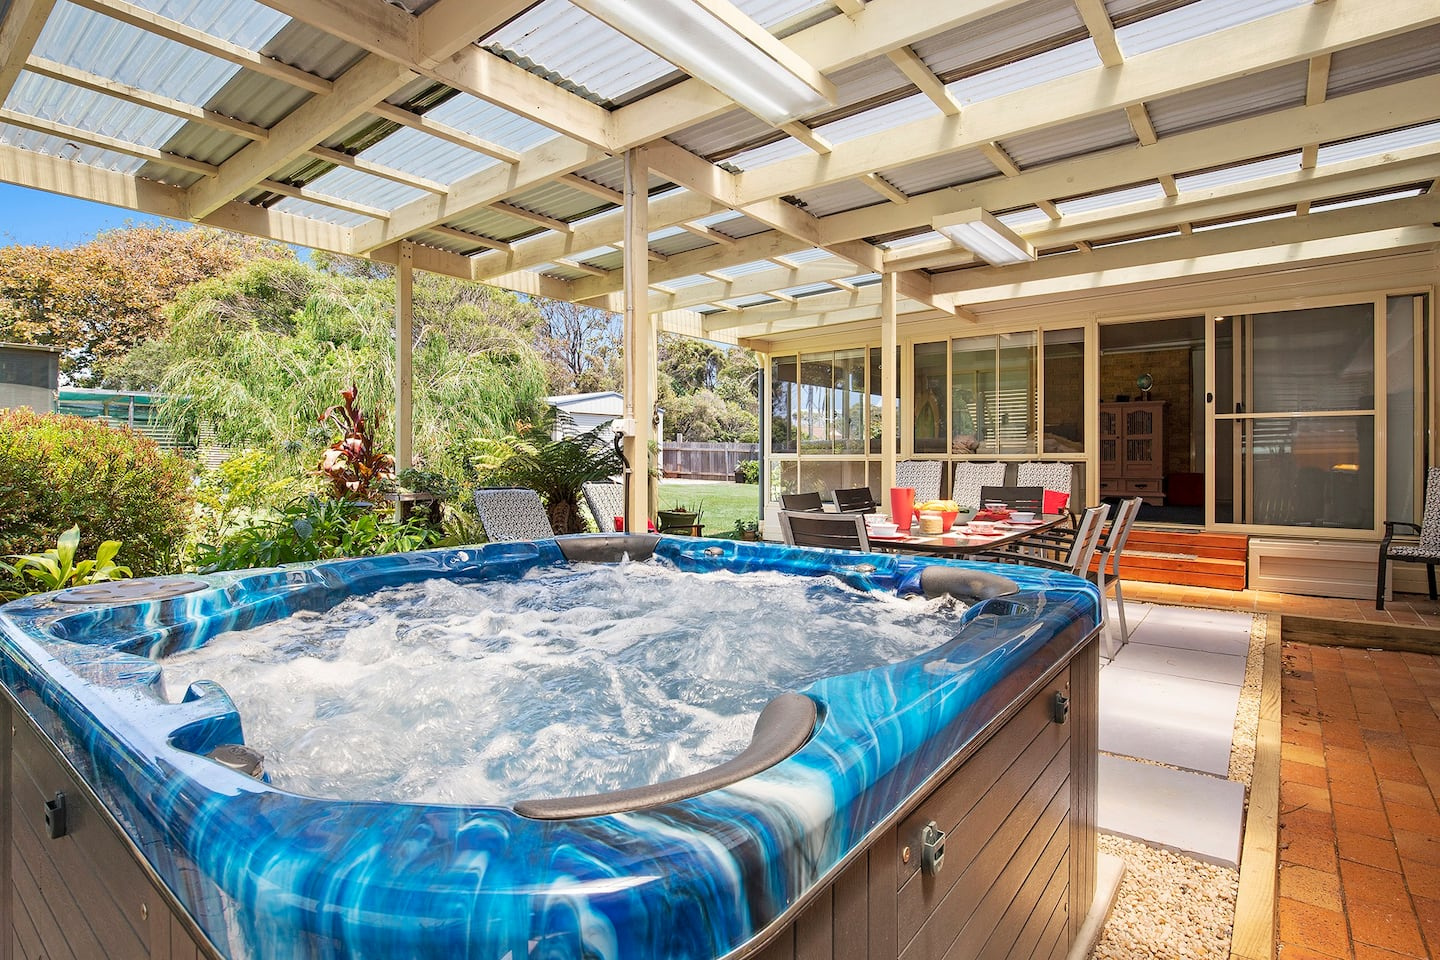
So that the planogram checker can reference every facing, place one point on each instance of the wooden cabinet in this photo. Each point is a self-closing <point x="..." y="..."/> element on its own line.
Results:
<point x="1132" y="450"/>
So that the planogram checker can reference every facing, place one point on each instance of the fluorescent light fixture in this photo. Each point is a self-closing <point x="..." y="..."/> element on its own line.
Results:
<point x="979" y="232"/>
<point x="715" y="42"/>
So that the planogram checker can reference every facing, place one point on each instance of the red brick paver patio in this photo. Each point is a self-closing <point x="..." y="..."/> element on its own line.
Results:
<point x="1359" y="820"/>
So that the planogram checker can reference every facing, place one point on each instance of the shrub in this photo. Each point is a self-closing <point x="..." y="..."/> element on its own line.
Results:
<point x="314" y="528"/>
<point x="57" y="472"/>
<point x="747" y="471"/>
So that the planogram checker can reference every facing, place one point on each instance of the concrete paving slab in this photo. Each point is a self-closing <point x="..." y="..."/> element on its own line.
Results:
<point x="1179" y="662"/>
<point x="1180" y="721"/>
<point x="1194" y="814"/>
<point x="1210" y="631"/>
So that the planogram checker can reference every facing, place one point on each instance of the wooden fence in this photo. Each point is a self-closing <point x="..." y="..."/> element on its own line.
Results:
<point x="705" y="461"/>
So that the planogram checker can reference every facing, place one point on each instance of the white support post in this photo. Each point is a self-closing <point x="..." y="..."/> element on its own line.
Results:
<point x="404" y="344"/>
<point x="639" y="339"/>
<point x="889" y="380"/>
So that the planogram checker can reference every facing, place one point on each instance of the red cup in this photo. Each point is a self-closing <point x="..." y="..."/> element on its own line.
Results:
<point x="902" y="507"/>
<point x="619" y="524"/>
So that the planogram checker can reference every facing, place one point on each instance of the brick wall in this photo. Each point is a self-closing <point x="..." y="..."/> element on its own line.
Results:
<point x="1170" y="370"/>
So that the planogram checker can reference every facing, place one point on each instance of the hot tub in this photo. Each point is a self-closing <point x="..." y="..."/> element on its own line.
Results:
<point x="942" y="802"/>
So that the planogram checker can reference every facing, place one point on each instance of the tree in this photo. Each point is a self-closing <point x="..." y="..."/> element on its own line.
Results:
<point x="581" y="347"/>
<point x="261" y="353"/>
<point x="99" y="300"/>
<point x="709" y="392"/>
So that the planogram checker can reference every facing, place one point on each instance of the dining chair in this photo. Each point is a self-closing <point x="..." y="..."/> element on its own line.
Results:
<point x="606" y="502"/>
<point x="923" y="475"/>
<point x="1427" y="551"/>
<point x="970" y="478"/>
<point x="1016" y="498"/>
<point x="855" y="500"/>
<point x="832" y="531"/>
<point x="508" y="514"/>
<point x="1077" y="554"/>
<point x="802" y="501"/>
<point x="1107" y="573"/>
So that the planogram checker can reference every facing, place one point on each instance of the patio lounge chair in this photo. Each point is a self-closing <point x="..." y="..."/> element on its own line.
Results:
<point x="512" y="513"/>
<point x="855" y="500"/>
<point x="606" y="502"/>
<point x="1427" y="551"/>
<point x="833" y="531"/>
<point x="802" y="501"/>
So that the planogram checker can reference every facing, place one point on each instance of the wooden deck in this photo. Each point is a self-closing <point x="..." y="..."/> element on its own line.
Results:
<point x="1185" y="558"/>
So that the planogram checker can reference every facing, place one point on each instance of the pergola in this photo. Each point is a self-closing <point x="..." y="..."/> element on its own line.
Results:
<point x="867" y="165"/>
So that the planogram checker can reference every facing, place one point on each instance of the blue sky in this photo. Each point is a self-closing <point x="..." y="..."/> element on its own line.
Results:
<point x="47" y="219"/>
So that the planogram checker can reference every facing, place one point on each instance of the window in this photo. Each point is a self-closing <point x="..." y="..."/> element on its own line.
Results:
<point x="993" y="394"/>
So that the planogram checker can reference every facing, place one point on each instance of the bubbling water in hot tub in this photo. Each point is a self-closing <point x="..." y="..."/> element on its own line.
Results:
<point x="565" y="682"/>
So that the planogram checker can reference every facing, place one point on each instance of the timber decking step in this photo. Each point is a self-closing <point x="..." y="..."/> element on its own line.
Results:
<point x="1186" y="559"/>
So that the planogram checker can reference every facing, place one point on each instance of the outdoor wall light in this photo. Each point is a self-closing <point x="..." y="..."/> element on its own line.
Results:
<point x="715" y="42"/>
<point x="979" y="232"/>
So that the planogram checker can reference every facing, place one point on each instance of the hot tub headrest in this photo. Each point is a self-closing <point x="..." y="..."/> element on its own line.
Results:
<point x="971" y="586"/>
<point x="785" y="725"/>
<point x="607" y="547"/>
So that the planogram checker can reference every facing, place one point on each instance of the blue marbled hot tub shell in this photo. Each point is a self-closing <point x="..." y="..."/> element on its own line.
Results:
<point x="270" y="874"/>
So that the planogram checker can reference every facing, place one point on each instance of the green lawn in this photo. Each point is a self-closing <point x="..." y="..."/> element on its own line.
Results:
<point x="722" y="502"/>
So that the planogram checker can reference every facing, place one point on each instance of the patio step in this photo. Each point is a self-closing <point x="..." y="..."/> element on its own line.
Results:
<point x="1187" y="559"/>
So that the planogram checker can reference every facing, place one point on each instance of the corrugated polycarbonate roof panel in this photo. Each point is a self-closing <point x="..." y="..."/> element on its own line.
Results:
<point x="79" y="38"/>
<point x="839" y="197"/>
<point x="312" y="50"/>
<point x="372" y="191"/>
<point x="1021" y="75"/>
<point x="243" y="22"/>
<point x="1391" y="60"/>
<point x="427" y="156"/>
<point x="1029" y="27"/>
<point x="561" y="39"/>
<point x="1417" y="136"/>
<point x="1024" y="217"/>
<point x="680" y="241"/>
<point x="318" y="211"/>
<point x="1230" y="100"/>
<point x="445" y="241"/>
<point x="784" y="149"/>
<point x="741" y="227"/>
<point x="861" y="82"/>
<point x="52" y="146"/>
<point x="47" y="99"/>
<point x="1238" y="173"/>
<point x="256" y="98"/>
<point x="1197" y="19"/>
<point x="721" y="137"/>
<point x="1072" y="139"/>
<point x="558" y="201"/>
<point x="204" y="143"/>
<point x="879" y="119"/>
<point x="489" y="122"/>
<point x="610" y="173"/>
<point x="493" y="224"/>
<point x="1111" y="198"/>
<point x="1128" y="11"/>
<point x="967" y="166"/>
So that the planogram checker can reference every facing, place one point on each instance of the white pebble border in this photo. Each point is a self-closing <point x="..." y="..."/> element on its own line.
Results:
<point x="1172" y="907"/>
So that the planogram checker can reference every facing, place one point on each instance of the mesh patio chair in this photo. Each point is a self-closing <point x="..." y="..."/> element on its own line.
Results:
<point x="923" y="475"/>
<point x="970" y="477"/>
<point x="832" y="531"/>
<point x="508" y="514"/>
<point x="606" y="502"/>
<point x="801" y="501"/>
<point x="1049" y="475"/>
<point x="855" y="500"/>
<point x="1108" y="572"/>
<point x="1427" y="551"/>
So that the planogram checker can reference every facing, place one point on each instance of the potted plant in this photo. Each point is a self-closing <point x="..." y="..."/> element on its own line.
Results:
<point x="680" y="517"/>
<point x="747" y="529"/>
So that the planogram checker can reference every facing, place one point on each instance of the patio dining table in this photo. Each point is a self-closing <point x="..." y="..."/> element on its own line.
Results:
<point x="959" y="544"/>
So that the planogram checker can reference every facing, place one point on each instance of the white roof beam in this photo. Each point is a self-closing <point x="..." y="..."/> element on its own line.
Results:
<point x="1279" y="39"/>
<point x="1277" y="240"/>
<point x="372" y="79"/>
<point x="114" y="144"/>
<point x="443" y="131"/>
<point x="361" y="165"/>
<point x="324" y="200"/>
<point x="915" y="70"/>
<point x="1102" y="31"/>
<point x="596" y="190"/>
<point x="20" y="27"/>
<point x="154" y="101"/>
<point x="467" y="237"/>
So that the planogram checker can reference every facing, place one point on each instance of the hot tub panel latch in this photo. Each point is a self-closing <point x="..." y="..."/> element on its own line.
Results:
<point x="55" y="817"/>
<point x="1061" y="708"/>
<point x="932" y="849"/>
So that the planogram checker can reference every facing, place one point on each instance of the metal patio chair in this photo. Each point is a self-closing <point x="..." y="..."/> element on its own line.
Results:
<point x="802" y="501"/>
<point x="855" y="500"/>
<point x="508" y="514"/>
<point x="832" y="531"/>
<point x="1108" y="571"/>
<point x="1427" y="551"/>
<point x="1073" y="557"/>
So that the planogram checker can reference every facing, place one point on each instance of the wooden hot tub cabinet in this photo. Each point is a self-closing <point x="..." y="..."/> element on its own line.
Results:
<point x="1018" y="811"/>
